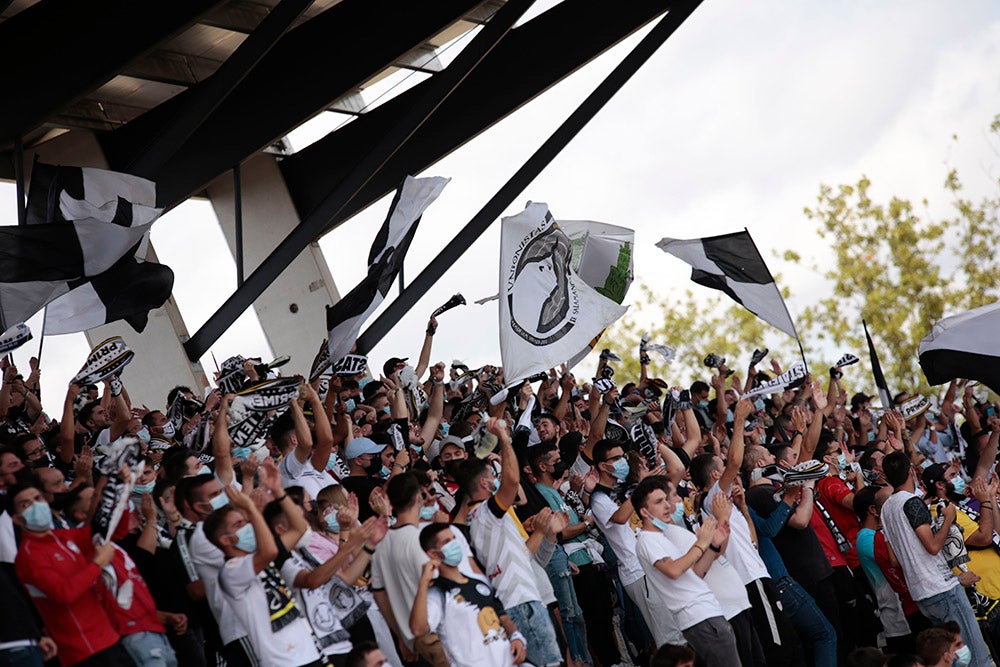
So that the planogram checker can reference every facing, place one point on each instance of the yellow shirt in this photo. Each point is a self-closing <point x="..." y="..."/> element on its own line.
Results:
<point x="985" y="561"/>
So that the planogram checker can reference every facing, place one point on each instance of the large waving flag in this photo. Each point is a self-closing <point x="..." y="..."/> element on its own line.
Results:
<point x="964" y="346"/>
<point x="78" y="252"/>
<point x="883" y="389"/>
<point x="732" y="264"/>
<point x="547" y="312"/>
<point x="345" y="318"/>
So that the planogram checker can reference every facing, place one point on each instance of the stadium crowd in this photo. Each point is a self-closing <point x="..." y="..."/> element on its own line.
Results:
<point x="457" y="521"/>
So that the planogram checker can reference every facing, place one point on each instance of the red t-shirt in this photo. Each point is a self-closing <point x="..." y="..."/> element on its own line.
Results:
<point x="59" y="573"/>
<point x="893" y="574"/>
<point x="130" y="607"/>
<point x="831" y="491"/>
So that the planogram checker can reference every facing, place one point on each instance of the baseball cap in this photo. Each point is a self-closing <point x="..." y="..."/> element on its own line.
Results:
<point x="389" y="367"/>
<point x="371" y="389"/>
<point x="435" y="449"/>
<point x="859" y="398"/>
<point x="933" y="473"/>
<point x="361" y="446"/>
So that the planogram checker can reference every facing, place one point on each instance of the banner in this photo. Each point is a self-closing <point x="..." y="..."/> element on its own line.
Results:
<point x="548" y="314"/>
<point x="124" y="452"/>
<point x="790" y="379"/>
<point x="107" y="358"/>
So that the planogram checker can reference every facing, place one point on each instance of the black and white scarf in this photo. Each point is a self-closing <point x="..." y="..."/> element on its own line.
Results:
<point x="842" y="544"/>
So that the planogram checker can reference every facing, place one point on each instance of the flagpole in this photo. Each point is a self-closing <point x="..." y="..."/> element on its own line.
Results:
<point x="783" y="304"/>
<point x="41" y="337"/>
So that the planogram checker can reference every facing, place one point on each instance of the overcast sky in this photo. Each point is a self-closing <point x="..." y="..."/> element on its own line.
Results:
<point x="733" y="123"/>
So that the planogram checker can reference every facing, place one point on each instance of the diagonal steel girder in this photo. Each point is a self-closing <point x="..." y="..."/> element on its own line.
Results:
<point x="444" y="84"/>
<point x="310" y="67"/>
<point x="531" y="59"/>
<point x="59" y="51"/>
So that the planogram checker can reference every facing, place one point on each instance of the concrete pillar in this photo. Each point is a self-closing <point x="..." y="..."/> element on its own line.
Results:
<point x="292" y="310"/>
<point x="160" y="362"/>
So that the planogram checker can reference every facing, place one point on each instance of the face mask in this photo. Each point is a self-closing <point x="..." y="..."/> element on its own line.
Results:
<point x="419" y="449"/>
<point x="331" y="463"/>
<point x="169" y="431"/>
<point x="926" y="463"/>
<point x="445" y="428"/>
<point x="959" y="483"/>
<point x="363" y="381"/>
<point x="140" y="489"/>
<point x="621" y="469"/>
<point x="38" y="517"/>
<point x="427" y="512"/>
<point x="304" y="540"/>
<point x="452" y="553"/>
<point x="678" y="516"/>
<point x="331" y="521"/>
<point x="204" y="470"/>
<point x="702" y="404"/>
<point x="219" y="501"/>
<point x="729" y="416"/>
<point x="871" y="436"/>
<point x="384" y="473"/>
<point x="496" y="484"/>
<point x="662" y="525"/>
<point x="759" y="404"/>
<point x="350" y="404"/>
<point x="241" y="453"/>
<point x="842" y="461"/>
<point x="963" y="657"/>
<point x="387" y="410"/>
<point x="558" y="470"/>
<point x="143" y="435"/>
<point x="246" y="539"/>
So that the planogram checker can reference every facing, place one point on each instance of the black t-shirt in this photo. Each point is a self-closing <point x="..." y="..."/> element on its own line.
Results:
<point x="799" y="547"/>
<point x="17" y="614"/>
<point x="362" y="486"/>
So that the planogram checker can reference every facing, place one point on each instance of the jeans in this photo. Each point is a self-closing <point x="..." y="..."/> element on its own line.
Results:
<point x="532" y="619"/>
<point x="23" y="656"/>
<point x="150" y="649"/>
<point x="953" y="605"/>
<point x="569" y="606"/>
<point x="809" y="621"/>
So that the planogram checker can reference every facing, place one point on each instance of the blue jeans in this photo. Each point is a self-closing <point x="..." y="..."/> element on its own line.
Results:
<point x="532" y="619"/>
<point x="817" y="633"/>
<point x="953" y="605"/>
<point x="149" y="649"/>
<point x="569" y="607"/>
<point x="24" y="656"/>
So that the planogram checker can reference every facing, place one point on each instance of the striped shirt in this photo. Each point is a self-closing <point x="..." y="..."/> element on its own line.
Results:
<point x="500" y="541"/>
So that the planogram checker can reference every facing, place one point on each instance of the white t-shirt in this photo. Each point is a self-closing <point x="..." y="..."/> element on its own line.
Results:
<point x="721" y="577"/>
<point x="297" y="473"/>
<point x="8" y="545"/>
<point x="396" y="568"/>
<point x="208" y="560"/>
<point x="741" y="552"/>
<point x="620" y="536"/>
<point x="926" y="575"/>
<point x="467" y="619"/>
<point x="687" y="597"/>
<point x="500" y="541"/>
<point x="321" y="606"/>
<point x="292" y="644"/>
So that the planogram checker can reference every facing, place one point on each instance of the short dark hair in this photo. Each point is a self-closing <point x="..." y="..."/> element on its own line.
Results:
<point x="867" y="460"/>
<point x="468" y="471"/>
<point x="698" y="386"/>
<point x="865" y="656"/>
<point x="863" y="501"/>
<point x="896" y="467"/>
<point x="214" y="523"/>
<point x="932" y="644"/>
<point x="172" y="394"/>
<point x="186" y="486"/>
<point x="701" y="469"/>
<point x="429" y="535"/>
<point x="87" y="411"/>
<point x="22" y="483"/>
<point x="601" y="449"/>
<point x="282" y="427"/>
<point x="356" y="658"/>
<point x="402" y="490"/>
<point x="537" y="453"/>
<point x="647" y="486"/>
<point x="147" y="419"/>
<point x="174" y="462"/>
<point x="670" y="655"/>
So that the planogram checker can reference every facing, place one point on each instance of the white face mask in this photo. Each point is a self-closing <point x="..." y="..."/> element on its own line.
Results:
<point x="168" y="430"/>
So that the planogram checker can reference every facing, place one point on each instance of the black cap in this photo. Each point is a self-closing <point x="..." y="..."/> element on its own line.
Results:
<point x="933" y="474"/>
<point x="858" y="399"/>
<point x="389" y="367"/>
<point x="371" y="388"/>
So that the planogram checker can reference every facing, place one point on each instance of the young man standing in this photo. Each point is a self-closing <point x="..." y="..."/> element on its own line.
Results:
<point x="473" y="626"/>
<point x="936" y="590"/>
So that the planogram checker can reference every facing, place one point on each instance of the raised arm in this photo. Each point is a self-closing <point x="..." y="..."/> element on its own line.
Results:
<point x="267" y="548"/>
<point x="324" y="433"/>
<point x="435" y="408"/>
<point x="222" y="445"/>
<point x="510" y="475"/>
<point x="737" y="444"/>
<point x="120" y="408"/>
<point x="303" y="437"/>
<point x="67" y="430"/>
<point x="599" y="422"/>
<point x="425" y="351"/>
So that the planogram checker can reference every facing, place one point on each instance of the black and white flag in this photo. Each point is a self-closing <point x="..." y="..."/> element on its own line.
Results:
<point x="883" y="389"/>
<point x="732" y="264"/>
<point x="81" y="251"/>
<point x="547" y="312"/>
<point x="790" y="379"/>
<point x="964" y="346"/>
<point x="345" y="318"/>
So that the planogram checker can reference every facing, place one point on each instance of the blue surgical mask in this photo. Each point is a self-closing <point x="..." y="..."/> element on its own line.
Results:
<point x="758" y="403"/>
<point x="678" y="516"/>
<point x="496" y="484"/>
<point x="350" y="404"/>
<point x="445" y="427"/>
<point x="331" y="521"/>
<point x="219" y="501"/>
<point x="427" y="512"/>
<point x="143" y="435"/>
<point x="959" y="483"/>
<point x="926" y="463"/>
<point x="729" y="416"/>
<point x="140" y="489"/>
<point x="387" y="410"/>
<point x="963" y="657"/>
<point x="241" y="453"/>
<point x="417" y="448"/>
<point x="662" y="525"/>
<point x="246" y="539"/>
<point x="363" y="381"/>
<point x="204" y="470"/>
<point x="384" y="473"/>
<point x="38" y="517"/>
<point x="452" y="553"/>
<point x="621" y="469"/>
<point x="842" y="461"/>
<point x="702" y="404"/>
<point x="331" y="463"/>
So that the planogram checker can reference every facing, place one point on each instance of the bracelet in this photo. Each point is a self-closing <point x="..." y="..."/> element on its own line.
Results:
<point x="399" y="465"/>
<point x="281" y="498"/>
<point x="796" y="433"/>
<point x="714" y="548"/>
<point x="368" y="550"/>
<point x="698" y="546"/>
<point x="516" y="636"/>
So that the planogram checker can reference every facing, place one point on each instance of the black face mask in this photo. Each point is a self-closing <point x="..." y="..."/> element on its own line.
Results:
<point x="558" y="470"/>
<point x="375" y="467"/>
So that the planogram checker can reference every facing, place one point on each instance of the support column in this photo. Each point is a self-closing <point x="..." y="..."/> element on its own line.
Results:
<point x="292" y="310"/>
<point x="160" y="361"/>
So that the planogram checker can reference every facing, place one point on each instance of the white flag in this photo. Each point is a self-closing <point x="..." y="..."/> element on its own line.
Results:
<point x="547" y="313"/>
